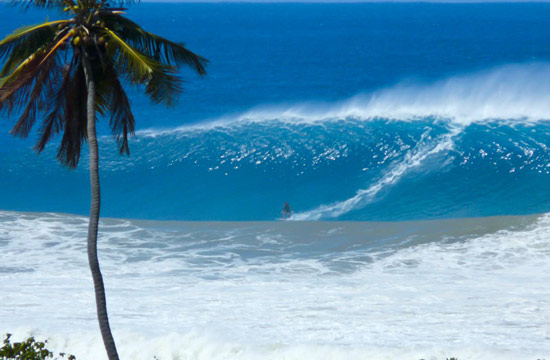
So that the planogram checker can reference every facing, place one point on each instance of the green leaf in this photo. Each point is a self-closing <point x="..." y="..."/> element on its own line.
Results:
<point x="160" y="79"/>
<point x="30" y="36"/>
<point x="155" y="46"/>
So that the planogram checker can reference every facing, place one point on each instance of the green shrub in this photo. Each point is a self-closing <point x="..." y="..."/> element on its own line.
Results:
<point x="29" y="349"/>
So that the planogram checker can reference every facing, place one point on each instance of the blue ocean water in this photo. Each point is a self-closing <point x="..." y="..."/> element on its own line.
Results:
<point x="428" y="125"/>
<point x="315" y="104"/>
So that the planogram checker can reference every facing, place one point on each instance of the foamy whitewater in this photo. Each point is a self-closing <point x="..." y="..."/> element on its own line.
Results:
<point x="410" y="140"/>
<point x="472" y="288"/>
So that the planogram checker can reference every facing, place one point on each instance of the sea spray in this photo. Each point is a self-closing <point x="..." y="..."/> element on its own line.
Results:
<point x="512" y="93"/>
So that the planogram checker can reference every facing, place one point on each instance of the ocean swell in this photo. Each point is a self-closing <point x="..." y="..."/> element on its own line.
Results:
<point x="471" y="145"/>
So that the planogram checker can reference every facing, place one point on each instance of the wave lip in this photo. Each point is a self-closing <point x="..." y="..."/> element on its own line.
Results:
<point x="511" y="92"/>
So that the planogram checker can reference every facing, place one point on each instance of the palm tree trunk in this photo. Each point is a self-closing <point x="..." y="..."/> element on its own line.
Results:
<point x="99" y="288"/>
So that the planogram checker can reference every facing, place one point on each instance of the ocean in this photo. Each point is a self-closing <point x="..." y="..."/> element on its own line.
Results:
<point x="410" y="139"/>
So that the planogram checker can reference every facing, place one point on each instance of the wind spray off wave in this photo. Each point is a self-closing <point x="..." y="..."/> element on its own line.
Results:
<point x="512" y="92"/>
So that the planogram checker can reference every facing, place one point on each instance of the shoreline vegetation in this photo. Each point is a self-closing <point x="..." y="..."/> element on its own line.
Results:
<point x="32" y="349"/>
<point x="29" y="349"/>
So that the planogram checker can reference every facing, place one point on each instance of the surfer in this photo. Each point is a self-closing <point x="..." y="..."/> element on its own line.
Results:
<point x="287" y="211"/>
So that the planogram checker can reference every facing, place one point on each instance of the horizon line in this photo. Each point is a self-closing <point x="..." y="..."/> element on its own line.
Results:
<point x="346" y="1"/>
<point x="343" y="1"/>
<point x="333" y="1"/>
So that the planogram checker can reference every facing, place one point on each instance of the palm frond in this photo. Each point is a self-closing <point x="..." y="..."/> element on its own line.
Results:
<point x="162" y="83"/>
<point x="57" y="45"/>
<point x="122" y="121"/>
<point x="176" y="53"/>
<point x="102" y="98"/>
<point x="28" y="63"/>
<point x="136" y="64"/>
<point x="37" y="98"/>
<point x="30" y="37"/>
<point x="75" y="119"/>
<point x="53" y="122"/>
<point x="15" y="88"/>
<point x="157" y="47"/>
<point x="47" y="4"/>
<point x="36" y="81"/>
<point x="163" y="87"/>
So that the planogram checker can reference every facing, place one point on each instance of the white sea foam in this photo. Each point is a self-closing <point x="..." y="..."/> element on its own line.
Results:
<point x="188" y="291"/>
<point x="511" y="93"/>
<point x="412" y="160"/>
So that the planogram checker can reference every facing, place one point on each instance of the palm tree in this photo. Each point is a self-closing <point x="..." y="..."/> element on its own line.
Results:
<point x="65" y="72"/>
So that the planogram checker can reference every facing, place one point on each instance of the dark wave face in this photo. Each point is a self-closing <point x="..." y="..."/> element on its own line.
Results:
<point x="346" y="169"/>
<point x="329" y="161"/>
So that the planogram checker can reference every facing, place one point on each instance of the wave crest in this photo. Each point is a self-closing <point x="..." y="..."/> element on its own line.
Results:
<point x="510" y="93"/>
